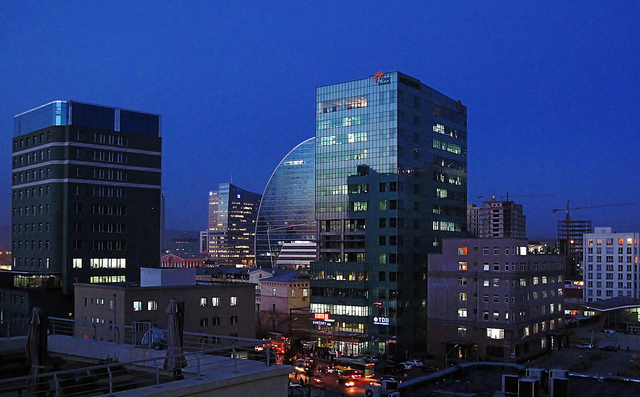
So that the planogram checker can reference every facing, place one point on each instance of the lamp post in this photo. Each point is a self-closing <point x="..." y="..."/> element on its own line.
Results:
<point x="446" y="356"/>
<point x="115" y="318"/>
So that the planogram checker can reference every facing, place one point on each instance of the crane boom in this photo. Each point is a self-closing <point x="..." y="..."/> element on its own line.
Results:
<point x="493" y="197"/>
<point x="569" y="208"/>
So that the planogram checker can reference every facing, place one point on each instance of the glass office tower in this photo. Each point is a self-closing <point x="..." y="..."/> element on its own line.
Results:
<point x="286" y="212"/>
<point x="232" y="223"/>
<point x="391" y="174"/>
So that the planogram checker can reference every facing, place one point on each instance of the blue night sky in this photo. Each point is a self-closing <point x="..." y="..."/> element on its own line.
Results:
<point x="552" y="89"/>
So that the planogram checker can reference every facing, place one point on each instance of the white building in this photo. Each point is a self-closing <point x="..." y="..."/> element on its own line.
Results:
<point x="611" y="264"/>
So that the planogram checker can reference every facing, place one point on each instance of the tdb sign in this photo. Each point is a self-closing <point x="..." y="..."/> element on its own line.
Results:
<point x="381" y="79"/>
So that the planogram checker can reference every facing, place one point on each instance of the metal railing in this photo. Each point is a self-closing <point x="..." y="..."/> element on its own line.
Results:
<point x="135" y="335"/>
<point x="205" y="354"/>
<point x="16" y="327"/>
<point x="114" y="376"/>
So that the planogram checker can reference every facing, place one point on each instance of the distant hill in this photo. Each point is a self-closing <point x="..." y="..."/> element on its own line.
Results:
<point x="171" y="234"/>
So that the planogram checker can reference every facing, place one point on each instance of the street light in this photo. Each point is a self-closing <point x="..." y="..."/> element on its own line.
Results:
<point x="446" y="356"/>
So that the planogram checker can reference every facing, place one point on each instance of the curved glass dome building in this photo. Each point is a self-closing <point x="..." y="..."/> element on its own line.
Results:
<point x="287" y="209"/>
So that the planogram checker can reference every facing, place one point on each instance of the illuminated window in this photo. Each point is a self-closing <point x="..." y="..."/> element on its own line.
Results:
<point x="77" y="263"/>
<point x="462" y="265"/>
<point x="462" y="250"/>
<point x="152" y="305"/>
<point x="462" y="296"/>
<point x="233" y="301"/>
<point x="203" y="302"/>
<point x="462" y="313"/>
<point x="215" y="301"/>
<point x="137" y="306"/>
<point x="495" y="333"/>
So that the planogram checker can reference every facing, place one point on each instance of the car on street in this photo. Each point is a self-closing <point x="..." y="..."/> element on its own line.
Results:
<point x="585" y="346"/>
<point x="346" y="382"/>
<point x="414" y="363"/>
<point x="405" y="366"/>
<point x="327" y="369"/>
<point x="610" y="348"/>
<point x="393" y="378"/>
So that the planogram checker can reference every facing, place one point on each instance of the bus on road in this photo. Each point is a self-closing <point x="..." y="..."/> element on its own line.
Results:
<point x="350" y="366"/>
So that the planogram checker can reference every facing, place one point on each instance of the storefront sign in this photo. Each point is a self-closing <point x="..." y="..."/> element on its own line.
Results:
<point x="381" y="320"/>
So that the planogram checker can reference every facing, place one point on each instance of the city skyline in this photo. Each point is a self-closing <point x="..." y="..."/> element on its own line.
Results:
<point x="235" y="87"/>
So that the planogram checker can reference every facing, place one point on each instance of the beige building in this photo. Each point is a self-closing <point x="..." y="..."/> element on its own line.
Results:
<point x="282" y="304"/>
<point x="173" y="260"/>
<point x="217" y="308"/>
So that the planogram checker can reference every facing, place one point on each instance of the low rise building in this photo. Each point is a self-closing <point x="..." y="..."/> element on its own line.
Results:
<point x="216" y="308"/>
<point x="282" y="304"/>
<point x="490" y="299"/>
<point x="173" y="260"/>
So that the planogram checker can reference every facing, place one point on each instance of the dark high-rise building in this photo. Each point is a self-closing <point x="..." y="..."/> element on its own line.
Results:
<point x="286" y="213"/>
<point x="85" y="199"/>
<point x="570" y="233"/>
<point x="391" y="183"/>
<point x="232" y="223"/>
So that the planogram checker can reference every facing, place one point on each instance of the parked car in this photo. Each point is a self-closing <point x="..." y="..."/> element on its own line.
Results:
<point x="585" y="346"/>
<point x="393" y="378"/>
<point x="414" y="363"/>
<point x="611" y="348"/>
<point x="404" y="365"/>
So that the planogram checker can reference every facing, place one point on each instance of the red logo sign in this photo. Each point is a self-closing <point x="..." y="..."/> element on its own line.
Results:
<point x="321" y="316"/>
<point x="381" y="79"/>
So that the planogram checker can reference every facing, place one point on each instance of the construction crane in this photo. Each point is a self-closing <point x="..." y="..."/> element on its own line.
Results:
<point x="569" y="242"/>
<point x="493" y="197"/>
<point x="568" y="208"/>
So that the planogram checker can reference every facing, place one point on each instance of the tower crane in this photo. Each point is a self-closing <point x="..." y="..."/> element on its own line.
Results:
<point x="493" y="197"/>
<point x="571" y="267"/>
<point x="568" y="208"/>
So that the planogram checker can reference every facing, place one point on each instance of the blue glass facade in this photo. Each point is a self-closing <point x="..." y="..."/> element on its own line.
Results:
<point x="286" y="212"/>
<point x="62" y="113"/>
<point x="232" y="222"/>
<point x="390" y="184"/>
